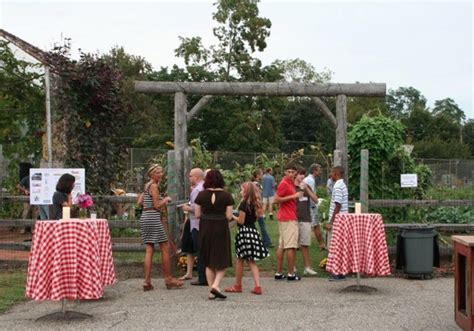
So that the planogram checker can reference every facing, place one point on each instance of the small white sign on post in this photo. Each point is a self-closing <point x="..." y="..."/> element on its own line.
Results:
<point x="43" y="183"/>
<point x="409" y="180"/>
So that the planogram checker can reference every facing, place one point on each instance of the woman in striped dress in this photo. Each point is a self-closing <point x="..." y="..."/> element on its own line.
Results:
<point x="152" y="230"/>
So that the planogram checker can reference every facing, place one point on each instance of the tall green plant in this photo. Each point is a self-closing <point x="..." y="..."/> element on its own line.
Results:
<point x="383" y="137"/>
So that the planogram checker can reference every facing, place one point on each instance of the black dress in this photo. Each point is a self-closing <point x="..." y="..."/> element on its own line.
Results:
<point x="248" y="243"/>
<point x="214" y="234"/>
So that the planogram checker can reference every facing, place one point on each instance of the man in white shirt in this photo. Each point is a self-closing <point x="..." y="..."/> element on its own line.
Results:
<point x="339" y="204"/>
<point x="310" y="180"/>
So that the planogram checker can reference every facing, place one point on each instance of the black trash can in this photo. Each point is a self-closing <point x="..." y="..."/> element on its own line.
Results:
<point x="417" y="250"/>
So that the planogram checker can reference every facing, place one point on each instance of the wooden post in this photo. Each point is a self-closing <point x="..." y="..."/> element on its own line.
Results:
<point x="180" y="141"/>
<point x="341" y="132"/>
<point x="172" y="191"/>
<point x="176" y="168"/>
<point x="48" y="116"/>
<point x="364" y="180"/>
<point x="337" y="161"/>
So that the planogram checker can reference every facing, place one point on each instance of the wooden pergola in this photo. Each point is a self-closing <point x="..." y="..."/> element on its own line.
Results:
<point x="181" y="158"/>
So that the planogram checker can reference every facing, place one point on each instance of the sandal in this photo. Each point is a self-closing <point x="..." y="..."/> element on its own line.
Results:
<point x="236" y="288"/>
<point x="218" y="294"/>
<point x="174" y="284"/>
<point x="257" y="290"/>
<point x="147" y="287"/>
<point x="185" y="278"/>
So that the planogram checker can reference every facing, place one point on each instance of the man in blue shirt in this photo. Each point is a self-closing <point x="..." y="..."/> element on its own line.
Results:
<point x="268" y="194"/>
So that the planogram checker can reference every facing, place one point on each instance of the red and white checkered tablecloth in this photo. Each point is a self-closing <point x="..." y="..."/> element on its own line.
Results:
<point x="70" y="260"/>
<point x="358" y="245"/>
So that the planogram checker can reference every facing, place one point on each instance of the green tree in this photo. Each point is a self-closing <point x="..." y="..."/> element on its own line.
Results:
<point x="468" y="135"/>
<point x="450" y="109"/>
<point x="436" y="148"/>
<point x="302" y="125"/>
<point x="22" y="110"/>
<point x="419" y="125"/>
<point x="298" y="70"/>
<point x="402" y="101"/>
<point x="240" y="33"/>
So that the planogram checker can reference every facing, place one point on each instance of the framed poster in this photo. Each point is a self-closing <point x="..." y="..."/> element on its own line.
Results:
<point x="43" y="183"/>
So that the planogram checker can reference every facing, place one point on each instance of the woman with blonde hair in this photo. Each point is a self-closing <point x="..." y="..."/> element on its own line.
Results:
<point x="153" y="231"/>
<point x="248" y="244"/>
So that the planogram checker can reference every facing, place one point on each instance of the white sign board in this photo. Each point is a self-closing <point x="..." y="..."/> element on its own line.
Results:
<point x="409" y="180"/>
<point x="43" y="183"/>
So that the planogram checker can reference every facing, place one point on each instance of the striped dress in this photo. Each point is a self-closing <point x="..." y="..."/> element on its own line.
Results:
<point x="151" y="228"/>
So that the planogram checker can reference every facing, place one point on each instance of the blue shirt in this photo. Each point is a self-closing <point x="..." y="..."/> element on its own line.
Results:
<point x="268" y="183"/>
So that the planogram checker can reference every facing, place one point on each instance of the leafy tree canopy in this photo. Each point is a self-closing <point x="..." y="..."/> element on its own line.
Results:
<point x="22" y="110"/>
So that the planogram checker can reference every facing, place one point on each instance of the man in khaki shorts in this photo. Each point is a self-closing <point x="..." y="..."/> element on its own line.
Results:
<point x="286" y="196"/>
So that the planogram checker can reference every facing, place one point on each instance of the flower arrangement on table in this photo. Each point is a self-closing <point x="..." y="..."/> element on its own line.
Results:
<point x="84" y="201"/>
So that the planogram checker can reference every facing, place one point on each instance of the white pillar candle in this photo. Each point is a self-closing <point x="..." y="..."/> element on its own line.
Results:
<point x="358" y="208"/>
<point x="66" y="213"/>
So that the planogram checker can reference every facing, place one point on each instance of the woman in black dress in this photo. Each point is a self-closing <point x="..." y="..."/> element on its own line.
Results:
<point x="214" y="208"/>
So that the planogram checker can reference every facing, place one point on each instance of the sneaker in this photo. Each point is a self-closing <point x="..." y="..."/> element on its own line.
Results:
<point x="309" y="271"/>
<point x="292" y="278"/>
<point x="336" y="278"/>
<point x="279" y="276"/>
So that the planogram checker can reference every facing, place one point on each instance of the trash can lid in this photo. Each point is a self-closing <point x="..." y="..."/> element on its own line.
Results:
<point x="417" y="227"/>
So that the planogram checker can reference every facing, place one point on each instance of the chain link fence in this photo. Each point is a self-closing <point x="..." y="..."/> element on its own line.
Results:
<point x="450" y="173"/>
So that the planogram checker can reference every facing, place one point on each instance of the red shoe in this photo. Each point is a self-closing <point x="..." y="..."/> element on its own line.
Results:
<point x="236" y="288"/>
<point x="257" y="290"/>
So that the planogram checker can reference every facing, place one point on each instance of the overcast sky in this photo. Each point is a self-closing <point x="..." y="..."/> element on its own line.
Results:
<point x="427" y="45"/>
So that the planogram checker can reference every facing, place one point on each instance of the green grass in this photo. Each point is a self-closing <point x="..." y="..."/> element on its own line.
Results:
<point x="267" y="266"/>
<point x="12" y="288"/>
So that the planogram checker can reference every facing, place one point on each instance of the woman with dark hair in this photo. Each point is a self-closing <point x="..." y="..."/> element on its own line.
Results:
<point x="62" y="197"/>
<point x="214" y="207"/>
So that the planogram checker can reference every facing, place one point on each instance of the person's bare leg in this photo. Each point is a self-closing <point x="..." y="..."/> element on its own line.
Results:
<point x="147" y="265"/>
<point x="265" y="205"/>
<point x="270" y="208"/>
<point x="319" y="236"/>
<point x="217" y="280"/>
<point x="210" y="276"/>
<point x="255" y="272"/>
<point x="306" y="257"/>
<point x="290" y="256"/>
<point x="165" y="261"/>
<point x="189" y="267"/>
<point x="279" y="259"/>
<point x="239" y="271"/>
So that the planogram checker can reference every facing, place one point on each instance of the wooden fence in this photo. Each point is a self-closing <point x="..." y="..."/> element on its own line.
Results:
<point x="133" y="224"/>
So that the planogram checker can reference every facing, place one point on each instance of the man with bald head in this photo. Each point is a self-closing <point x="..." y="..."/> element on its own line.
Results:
<point x="196" y="178"/>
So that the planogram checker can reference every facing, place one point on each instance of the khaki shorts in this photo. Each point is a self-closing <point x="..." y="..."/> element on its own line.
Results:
<point x="268" y="200"/>
<point x="314" y="216"/>
<point x="304" y="233"/>
<point x="288" y="234"/>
